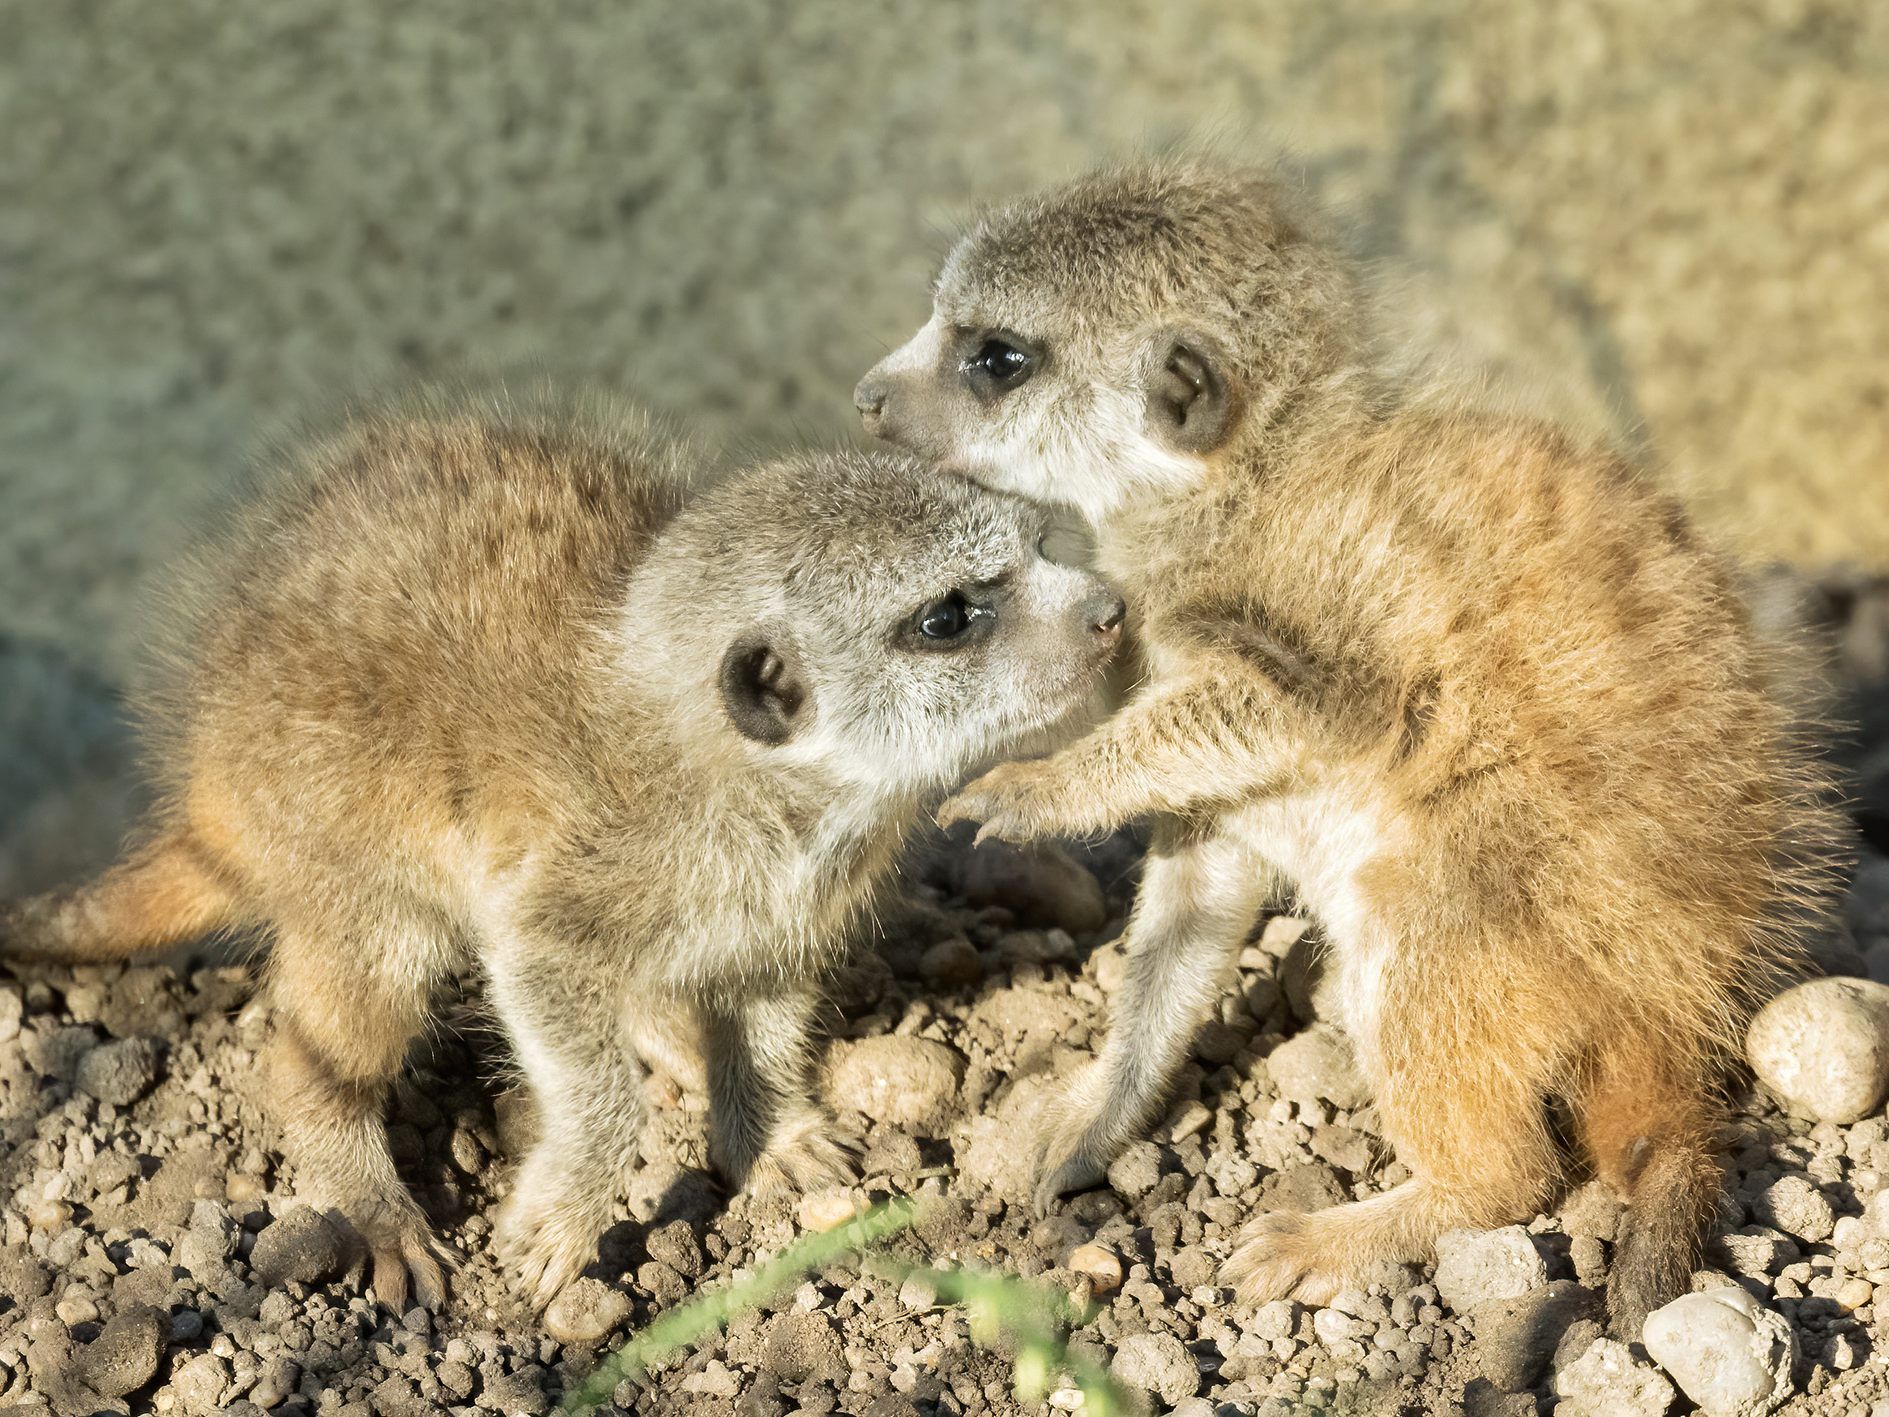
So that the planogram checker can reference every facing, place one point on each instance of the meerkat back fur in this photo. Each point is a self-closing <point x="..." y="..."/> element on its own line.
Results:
<point x="483" y="688"/>
<point x="1469" y="686"/>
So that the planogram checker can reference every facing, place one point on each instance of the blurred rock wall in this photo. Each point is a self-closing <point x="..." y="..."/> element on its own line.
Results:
<point x="1672" y="218"/>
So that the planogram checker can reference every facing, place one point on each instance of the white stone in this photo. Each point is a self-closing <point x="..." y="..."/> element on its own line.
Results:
<point x="1608" y="1381"/>
<point x="896" y="1079"/>
<point x="1158" y="1363"/>
<point x="1727" y="1352"/>
<point x="1473" y="1267"/>
<point x="1317" y="1065"/>
<point x="1823" y="1047"/>
<point x="585" y="1311"/>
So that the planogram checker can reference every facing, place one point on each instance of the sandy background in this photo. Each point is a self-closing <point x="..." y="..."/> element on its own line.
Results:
<point x="1673" y="219"/>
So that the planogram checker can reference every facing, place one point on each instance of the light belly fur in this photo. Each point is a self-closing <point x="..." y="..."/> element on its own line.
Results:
<point x="1320" y="841"/>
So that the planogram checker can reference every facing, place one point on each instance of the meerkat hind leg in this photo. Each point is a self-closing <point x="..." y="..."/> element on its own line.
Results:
<point x="1198" y="900"/>
<point x="765" y="1130"/>
<point x="340" y="1041"/>
<point x="587" y="1086"/>
<point x="1466" y="1113"/>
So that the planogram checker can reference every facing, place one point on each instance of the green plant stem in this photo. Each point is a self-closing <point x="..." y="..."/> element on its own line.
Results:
<point x="684" y="1325"/>
<point x="1034" y="1316"/>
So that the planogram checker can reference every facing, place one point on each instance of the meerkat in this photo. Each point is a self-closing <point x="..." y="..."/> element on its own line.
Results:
<point x="1468" y="686"/>
<point x="480" y="690"/>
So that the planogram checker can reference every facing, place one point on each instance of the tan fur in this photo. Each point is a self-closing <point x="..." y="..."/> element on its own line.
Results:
<point x="529" y="692"/>
<point x="1471" y="685"/>
<point x="169" y="886"/>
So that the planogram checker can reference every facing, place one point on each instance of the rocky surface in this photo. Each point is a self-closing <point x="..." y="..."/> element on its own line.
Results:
<point x="155" y="1257"/>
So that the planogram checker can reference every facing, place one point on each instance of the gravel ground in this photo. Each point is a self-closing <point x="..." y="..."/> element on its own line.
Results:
<point x="155" y="1258"/>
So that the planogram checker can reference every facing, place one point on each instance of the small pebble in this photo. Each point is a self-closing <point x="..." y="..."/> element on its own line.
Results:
<point x="1100" y="1264"/>
<point x="1853" y="1294"/>
<point x="1317" y="1066"/>
<point x="951" y="963"/>
<point x="1475" y="1267"/>
<point x="1794" y="1205"/>
<point x="1608" y="1381"/>
<point x="301" y="1246"/>
<point x="894" y="1078"/>
<point x="125" y="1355"/>
<point x="1157" y="1363"/>
<point x="585" y="1311"/>
<point x="119" y="1072"/>
<point x="829" y="1208"/>
<point x="75" y="1309"/>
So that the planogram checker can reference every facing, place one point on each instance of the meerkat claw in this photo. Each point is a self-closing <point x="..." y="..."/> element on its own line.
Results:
<point x="408" y="1267"/>
<point x="405" y="1263"/>
<point x="1003" y="800"/>
<point x="1078" y="1173"/>
<point x="812" y="1157"/>
<point x="1278" y="1258"/>
<point x="545" y="1245"/>
<point x="1064" y="1164"/>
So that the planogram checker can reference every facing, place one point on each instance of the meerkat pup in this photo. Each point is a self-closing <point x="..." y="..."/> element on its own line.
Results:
<point x="481" y="689"/>
<point x="1469" y="687"/>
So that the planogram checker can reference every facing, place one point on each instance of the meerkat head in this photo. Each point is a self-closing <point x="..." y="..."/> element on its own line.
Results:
<point x="865" y="615"/>
<point x="1106" y="341"/>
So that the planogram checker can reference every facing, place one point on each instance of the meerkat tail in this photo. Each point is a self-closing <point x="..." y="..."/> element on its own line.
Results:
<point x="1670" y="1207"/>
<point x="1652" y="1133"/>
<point x="163" y="894"/>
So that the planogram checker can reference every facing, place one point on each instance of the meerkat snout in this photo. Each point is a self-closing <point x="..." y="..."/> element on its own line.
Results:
<point x="1106" y="615"/>
<point x="869" y="398"/>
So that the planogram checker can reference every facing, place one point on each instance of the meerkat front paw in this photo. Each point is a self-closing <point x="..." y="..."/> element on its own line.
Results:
<point x="403" y="1256"/>
<point x="1071" y="1155"/>
<point x="805" y="1155"/>
<point x="1283" y="1255"/>
<point x="545" y="1239"/>
<point x="1011" y="800"/>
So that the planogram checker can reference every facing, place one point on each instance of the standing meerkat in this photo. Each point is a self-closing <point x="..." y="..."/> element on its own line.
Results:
<point x="483" y="689"/>
<point x="1468" y="686"/>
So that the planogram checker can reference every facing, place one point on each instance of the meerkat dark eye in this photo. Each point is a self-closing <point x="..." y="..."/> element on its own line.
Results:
<point x="945" y="619"/>
<point x="950" y="621"/>
<point x="996" y="365"/>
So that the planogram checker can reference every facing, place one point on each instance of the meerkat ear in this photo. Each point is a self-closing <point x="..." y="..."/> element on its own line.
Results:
<point x="762" y="689"/>
<point x="1190" y="400"/>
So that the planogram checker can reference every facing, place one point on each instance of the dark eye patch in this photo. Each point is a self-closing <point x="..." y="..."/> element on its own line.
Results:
<point x="994" y="362"/>
<point x="950" y="622"/>
<point x="945" y="619"/>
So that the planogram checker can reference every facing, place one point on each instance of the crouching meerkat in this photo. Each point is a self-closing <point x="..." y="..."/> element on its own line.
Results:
<point x="479" y="689"/>
<point x="1468" y="686"/>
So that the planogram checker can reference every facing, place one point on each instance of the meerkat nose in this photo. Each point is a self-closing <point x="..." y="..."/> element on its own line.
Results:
<point x="869" y="398"/>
